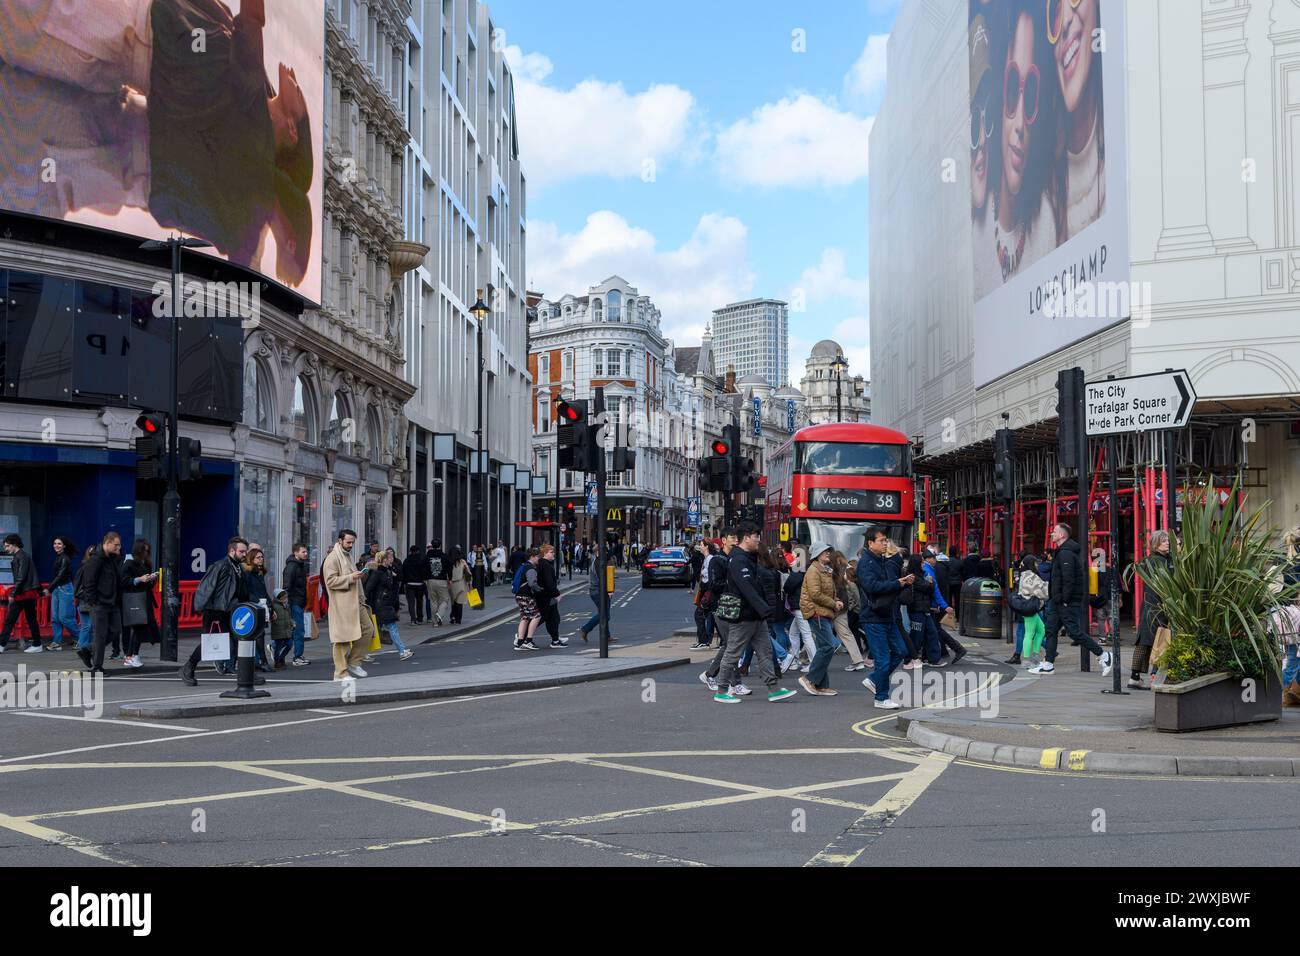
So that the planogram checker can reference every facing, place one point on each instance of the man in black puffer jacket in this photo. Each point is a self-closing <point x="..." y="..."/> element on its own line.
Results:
<point x="743" y="605"/>
<point x="1066" y="592"/>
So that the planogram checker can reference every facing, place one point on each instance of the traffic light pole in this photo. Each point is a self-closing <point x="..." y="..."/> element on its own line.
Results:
<point x="1085" y="657"/>
<point x="171" y="505"/>
<point x="598" y="409"/>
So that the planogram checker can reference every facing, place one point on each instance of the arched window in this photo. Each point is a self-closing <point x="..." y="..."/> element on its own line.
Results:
<point x="615" y="300"/>
<point x="338" y="433"/>
<point x="259" y="408"/>
<point x="303" y="415"/>
<point x="597" y="310"/>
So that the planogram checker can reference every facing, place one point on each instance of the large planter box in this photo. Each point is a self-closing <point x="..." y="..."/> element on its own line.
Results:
<point x="1215" y="700"/>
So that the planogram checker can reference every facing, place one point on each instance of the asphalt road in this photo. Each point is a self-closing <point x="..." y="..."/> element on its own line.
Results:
<point x="643" y="771"/>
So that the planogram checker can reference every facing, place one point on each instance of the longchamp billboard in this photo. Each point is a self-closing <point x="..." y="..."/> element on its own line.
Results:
<point x="152" y="117"/>
<point x="1049" y="209"/>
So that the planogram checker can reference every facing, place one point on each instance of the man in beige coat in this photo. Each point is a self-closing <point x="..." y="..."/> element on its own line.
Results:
<point x="349" y="634"/>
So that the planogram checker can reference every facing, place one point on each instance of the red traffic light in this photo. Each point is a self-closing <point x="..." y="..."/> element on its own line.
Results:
<point x="721" y="448"/>
<point x="149" y="424"/>
<point x="569" y="506"/>
<point x="564" y="410"/>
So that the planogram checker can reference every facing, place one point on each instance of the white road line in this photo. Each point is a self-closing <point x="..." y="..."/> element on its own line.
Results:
<point x="103" y="720"/>
<point x="58" y="838"/>
<point x="287" y="723"/>
<point x="321" y="710"/>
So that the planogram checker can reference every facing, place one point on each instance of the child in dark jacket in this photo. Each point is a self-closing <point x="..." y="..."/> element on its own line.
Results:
<point x="281" y="628"/>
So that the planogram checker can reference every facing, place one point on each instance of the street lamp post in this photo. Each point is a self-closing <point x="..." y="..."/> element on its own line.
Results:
<point x="838" y="366"/>
<point x="171" y="505"/>
<point x="480" y="311"/>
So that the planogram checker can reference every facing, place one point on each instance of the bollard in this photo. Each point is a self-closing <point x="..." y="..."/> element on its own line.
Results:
<point x="246" y="625"/>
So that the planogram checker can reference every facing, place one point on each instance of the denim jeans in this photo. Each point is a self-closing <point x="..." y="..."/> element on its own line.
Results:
<point x="299" y="630"/>
<point x="593" y="622"/>
<point x="394" y="636"/>
<point x="1292" y="665"/>
<point x="63" y="613"/>
<point x="84" y="636"/>
<point x="887" y="650"/>
<point x="780" y="637"/>
<point x="1020" y="634"/>
<point x="824" y="637"/>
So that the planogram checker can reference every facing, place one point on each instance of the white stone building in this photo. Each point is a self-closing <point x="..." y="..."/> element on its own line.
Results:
<point x="831" y="393"/>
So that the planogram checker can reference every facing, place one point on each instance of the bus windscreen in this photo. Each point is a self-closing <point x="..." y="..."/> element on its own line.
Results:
<point x="851" y="459"/>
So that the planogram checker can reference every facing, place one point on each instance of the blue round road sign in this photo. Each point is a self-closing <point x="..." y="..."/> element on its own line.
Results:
<point x="244" y="620"/>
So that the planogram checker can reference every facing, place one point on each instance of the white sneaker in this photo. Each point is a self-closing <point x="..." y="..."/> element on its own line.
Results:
<point x="710" y="682"/>
<point x="888" y="705"/>
<point x="1043" y="668"/>
<point x="300" y="662"/>
<point x="787" y="663"/>
<point x="869" y="684"/>
<point x="34" y="649"/>
<point x="135" y="662"/>
<point x="406" y="655"/>
<point x="368" y="659"/>
<point x="357" y="671"/>
<point x="740" y="690"/>
<point x="1107" y="662"/>
<point x="344" y="679"/>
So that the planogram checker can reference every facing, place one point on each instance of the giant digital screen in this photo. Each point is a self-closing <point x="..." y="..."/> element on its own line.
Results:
<point x="1049" y="205"/>
<point x="156" y="117"/>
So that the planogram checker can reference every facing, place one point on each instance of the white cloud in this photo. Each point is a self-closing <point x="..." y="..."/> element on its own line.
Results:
<point x="829" y="279"/>
<point x="709" y="270"/>
<point x="528" y="67"/>
<point x="596" y="128"/>
<point x="798" y="141"/>
<point x="867" y="76"/>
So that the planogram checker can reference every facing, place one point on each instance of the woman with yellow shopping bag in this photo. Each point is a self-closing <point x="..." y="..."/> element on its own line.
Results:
<point x="383" y="591"/>
<point x="349" y="620"/>
<point x="459" y="584"/>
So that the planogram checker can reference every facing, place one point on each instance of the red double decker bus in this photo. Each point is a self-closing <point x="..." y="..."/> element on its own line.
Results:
<point x="829" y="482"/>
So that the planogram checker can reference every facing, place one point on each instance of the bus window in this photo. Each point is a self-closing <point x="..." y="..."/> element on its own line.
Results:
<point x="844" y="458"/>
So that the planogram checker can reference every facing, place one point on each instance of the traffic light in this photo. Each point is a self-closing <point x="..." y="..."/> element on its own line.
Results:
<point x="1004" y="465"/>
<point x="746" y="480"/>
<point x="718" y="466"/>
<point x="151" y="447"/>
<point x="574" y="435"/>
<point x="190" y="451"/>
<point x="1069" y="410"/>
<point x="703" y="475"/>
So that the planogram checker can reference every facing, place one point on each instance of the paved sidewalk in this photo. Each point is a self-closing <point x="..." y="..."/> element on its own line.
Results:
<point x="500" y="607"/>
<point x="449" y="682"/>
<point x="1063" y="720"/>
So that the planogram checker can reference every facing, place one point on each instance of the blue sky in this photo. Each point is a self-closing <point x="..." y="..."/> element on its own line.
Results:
<point x="693" y="149"/>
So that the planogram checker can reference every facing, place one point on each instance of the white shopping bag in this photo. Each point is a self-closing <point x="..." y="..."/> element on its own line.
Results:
<point x="216" y="646"/>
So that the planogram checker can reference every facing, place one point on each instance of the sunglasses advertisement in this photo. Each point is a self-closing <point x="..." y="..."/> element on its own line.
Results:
<point x="1047" y="195"/>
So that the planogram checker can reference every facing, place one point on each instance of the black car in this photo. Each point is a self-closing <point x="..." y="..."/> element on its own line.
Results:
<point x="666" y="566"/>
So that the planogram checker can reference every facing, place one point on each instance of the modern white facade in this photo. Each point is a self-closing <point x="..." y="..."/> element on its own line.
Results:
<point x="1212" y="97"/>
<point x="830" y="394"/>
<point x="465" y="199"/>
<point x="754" y="337"/>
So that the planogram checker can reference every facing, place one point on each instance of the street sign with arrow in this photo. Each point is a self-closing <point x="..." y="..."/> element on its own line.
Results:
<point x="1139" y="403"/>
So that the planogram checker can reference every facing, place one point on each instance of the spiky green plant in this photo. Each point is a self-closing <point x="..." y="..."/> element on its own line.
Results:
<point x="1218" y="596"/>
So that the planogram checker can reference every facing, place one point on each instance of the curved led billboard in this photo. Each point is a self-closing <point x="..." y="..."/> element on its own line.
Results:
<point x="152" y="117"/>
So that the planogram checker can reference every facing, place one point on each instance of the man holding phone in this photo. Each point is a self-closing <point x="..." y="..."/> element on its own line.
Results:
<point x="879" y="596"/>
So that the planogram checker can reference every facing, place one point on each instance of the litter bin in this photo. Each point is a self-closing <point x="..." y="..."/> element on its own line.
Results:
<point x="981" y="608"/>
